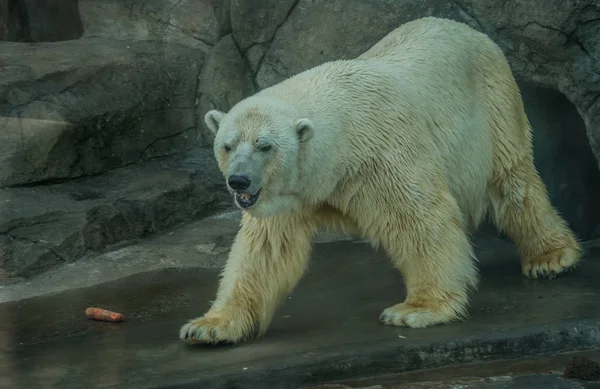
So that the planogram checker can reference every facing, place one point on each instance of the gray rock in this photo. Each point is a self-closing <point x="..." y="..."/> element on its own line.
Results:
<point x="225" y="79"/>
<point x="4" y="16"/>
<point x="81" y="107"/>
<point x="317" y="31"/>
<point x="191" y="23"/>
<point x="564" y="158"/>
<point x="255" y="54"/>
<point x="39" y="20"/>
<point x="222" y="10"/>
<point x="196" y="18"/>
<point x="53" y="20"/>
<point x="557" y="46"/>
<point x="5" y="255"/>
<point x="12" y="21"/>
<point x="257" y="21"/>
<point x="46" y="225"/>
<point x="123" y="94"/>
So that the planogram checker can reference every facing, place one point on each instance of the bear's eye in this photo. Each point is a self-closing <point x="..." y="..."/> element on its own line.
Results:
<point x="265" y="147"/>
<point x="227" y="148"/>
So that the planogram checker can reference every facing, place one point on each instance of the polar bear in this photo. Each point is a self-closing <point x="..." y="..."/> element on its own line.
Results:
<point x="410" y="145"/>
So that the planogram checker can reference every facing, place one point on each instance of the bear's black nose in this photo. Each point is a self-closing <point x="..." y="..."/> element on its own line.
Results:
<point x="239" y="182"/>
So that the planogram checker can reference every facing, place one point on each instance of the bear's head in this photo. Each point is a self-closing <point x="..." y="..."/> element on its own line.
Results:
<point x="259" y="145"/>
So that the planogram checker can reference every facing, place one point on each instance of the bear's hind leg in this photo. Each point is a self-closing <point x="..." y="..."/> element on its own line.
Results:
<point x="426" y="238"/>
<point x="522" y="209"/>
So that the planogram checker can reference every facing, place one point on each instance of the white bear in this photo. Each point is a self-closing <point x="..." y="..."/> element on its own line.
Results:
<point x="411" y="145"/>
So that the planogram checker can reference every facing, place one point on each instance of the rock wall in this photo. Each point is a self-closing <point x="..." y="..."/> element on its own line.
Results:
<point x="123" y="93"/>
<point x="98" y="125"/>
<point x="100" y="99"/>
<point x="39" y="20"/>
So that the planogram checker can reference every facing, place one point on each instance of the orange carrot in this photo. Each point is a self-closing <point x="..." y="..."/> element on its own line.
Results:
<point x="104" y="315"/>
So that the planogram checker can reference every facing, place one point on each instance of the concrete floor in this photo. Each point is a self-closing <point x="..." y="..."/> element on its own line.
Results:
<point x="327" y="330"/>
<point x="531" y="373"/>
<point x="529" y="381"/>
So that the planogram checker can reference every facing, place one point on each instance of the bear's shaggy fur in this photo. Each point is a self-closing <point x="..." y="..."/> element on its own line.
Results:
<point x="411" y="145"/>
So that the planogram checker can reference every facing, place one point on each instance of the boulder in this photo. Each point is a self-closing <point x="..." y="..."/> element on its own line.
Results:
<point x="43" y="226"/>
<point x="194" y="23"/>
<point x="118" y="104"/>
<point x="69" y="109"/>
<point x="256" y="21"/>
<point x="125" y="92"/>
<point x="225" y="79"/>
<point x="323" y="30"/>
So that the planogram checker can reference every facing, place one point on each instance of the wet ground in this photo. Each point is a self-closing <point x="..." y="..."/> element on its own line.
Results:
<point x="528" y="381"/>
<point x="326" y="331"/>
<point x="531" y="373"/>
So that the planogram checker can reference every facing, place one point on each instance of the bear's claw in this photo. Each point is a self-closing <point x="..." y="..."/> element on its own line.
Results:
<point x="404" y="315"/>
<point x="550" y="264"/>
<point x="388" y="319"/>
<point x="211" y="330"/>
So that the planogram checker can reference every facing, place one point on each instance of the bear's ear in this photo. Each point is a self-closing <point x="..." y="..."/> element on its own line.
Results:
<point x="304" y="129"/>
<point x="213" y="120"/>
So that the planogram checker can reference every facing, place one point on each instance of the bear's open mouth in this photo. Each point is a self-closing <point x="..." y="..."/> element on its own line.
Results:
<point x="246" y="200"/>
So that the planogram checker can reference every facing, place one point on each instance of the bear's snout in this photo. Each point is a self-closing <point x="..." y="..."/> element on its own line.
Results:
<point x="238" y="182"/>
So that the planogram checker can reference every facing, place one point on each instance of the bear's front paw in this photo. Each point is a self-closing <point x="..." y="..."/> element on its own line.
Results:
<point x="213" y="329"/>
<point x="405" y="315"/>
<point x="550" y="264"/>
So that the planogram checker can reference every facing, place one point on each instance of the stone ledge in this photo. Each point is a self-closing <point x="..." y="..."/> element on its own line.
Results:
<point x="48" y="225"/>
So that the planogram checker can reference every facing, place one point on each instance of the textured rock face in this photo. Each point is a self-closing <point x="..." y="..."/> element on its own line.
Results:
<point x="52" y="20"/>
<point x="39" y="20"/>
<point x="563" y="157"/>
<point x="225" y="80"/>
<point x="117" y="99"/>
<point x="4" y="16"/>
<point x="556" y="46"/>
<point x="85" y="106"/>
<point x="196" y="23"/>
<point x="45" y="225"/>
<point x="125" y="92"/>
<point x="319" y="31"/>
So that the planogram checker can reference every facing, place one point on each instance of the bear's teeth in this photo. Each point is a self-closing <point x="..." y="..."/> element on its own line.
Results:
<point x="245" y="196"/>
